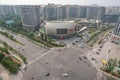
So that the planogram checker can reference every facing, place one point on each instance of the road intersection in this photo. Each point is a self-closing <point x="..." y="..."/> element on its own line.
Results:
<point x="55" y="61"/>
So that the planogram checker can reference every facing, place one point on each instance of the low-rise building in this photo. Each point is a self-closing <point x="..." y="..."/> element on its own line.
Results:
<point x="59" y="29"/>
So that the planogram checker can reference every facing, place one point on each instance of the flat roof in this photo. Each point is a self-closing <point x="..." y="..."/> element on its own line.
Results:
<point x="60" y="21"/>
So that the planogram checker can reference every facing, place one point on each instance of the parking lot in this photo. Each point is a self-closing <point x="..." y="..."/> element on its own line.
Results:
<point x="61" y="65"/>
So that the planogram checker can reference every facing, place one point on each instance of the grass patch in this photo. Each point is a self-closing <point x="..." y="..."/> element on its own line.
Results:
<point x="7" y="47"/>
<point x="11" y="66"/>
<point x="94" y="37"/>
<point x="91" y="30"/>
<point x="11" y="37"/>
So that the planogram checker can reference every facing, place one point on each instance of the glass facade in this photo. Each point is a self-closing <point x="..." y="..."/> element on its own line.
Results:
<point x="61" y="31"/>
<point x="117" y="28"/>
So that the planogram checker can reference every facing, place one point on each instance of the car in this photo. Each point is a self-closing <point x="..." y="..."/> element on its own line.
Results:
<point x="32" y="78"/>
<point x="47" y="62"/>
<point x="99" y="49"/>
<point x="97" y="53"/>
<point x="101" y="46"/>
<point x="65" y="75"/>
<point x="81" y="45"/>
<point x="93" y="59"/>
<point x="85" y="57"/>
<point x="22" y="35"/>
<point x="19" y="48"/>
<point x="110" y="31"/>
<point x="59" y="50"/>
<point x="47" y="74"/>
<point x="23" y="49"/>
<point x="80" y="58"/>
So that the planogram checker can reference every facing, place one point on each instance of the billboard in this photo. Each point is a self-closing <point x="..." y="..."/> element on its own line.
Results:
<point x="61" y="31"/>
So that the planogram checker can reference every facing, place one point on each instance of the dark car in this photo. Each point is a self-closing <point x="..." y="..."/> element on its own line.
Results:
<point x="47" y="74"/>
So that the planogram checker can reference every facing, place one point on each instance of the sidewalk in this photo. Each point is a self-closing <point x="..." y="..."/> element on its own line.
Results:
<point x="96" y="59"/>
<point x="4" y="75"/>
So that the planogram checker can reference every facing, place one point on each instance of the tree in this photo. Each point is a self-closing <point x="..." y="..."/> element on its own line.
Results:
<point x="119" y="62"/>
<point x="46" y="38"/>
<point x="1" y="56"/>
<point x="11" y="37"/>
<point x="118" y="71"/>
<point x="111" y="65"/>
<point x="11" y="66"/>
<point x="5" y="44"/>
<point x="42" y="36"/>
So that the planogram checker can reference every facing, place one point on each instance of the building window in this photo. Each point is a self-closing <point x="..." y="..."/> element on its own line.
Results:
<point x="61" y="31"/>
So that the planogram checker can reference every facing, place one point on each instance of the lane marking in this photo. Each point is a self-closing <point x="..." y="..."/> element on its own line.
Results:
<point x="39" y="57"/>
<point x="60" y="66"/>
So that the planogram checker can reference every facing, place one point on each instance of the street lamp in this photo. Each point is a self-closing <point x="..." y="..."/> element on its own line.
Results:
<point x="104" y="62"/>
<point x="109" y="50"/>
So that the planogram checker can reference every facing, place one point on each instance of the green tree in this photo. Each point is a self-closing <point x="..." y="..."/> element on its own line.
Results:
<point x="11" y="37"/>
<point x="1" y="56"/>
<point x="119" y="63"/>
<point x="10" y="65"/>
<point x="5" y="44"/>
<point x="46" y="38"/>
<point x="42" y="36"/>
<point x="111" y="65"/>
<point x="118" y="71"/>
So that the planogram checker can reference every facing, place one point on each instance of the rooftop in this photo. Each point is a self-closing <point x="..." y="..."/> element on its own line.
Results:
<point x="61" y="21"/>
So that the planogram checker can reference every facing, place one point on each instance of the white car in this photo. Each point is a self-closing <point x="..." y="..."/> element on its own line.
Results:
<point x="81" y="45"/>
<point x="65" y="75"/>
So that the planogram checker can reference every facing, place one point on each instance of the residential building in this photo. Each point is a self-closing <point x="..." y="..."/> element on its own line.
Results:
<point x="2" y="13"/>
<point x="82" y="11"/>
<point x="111" y="18"/>
<point x="50" y="12"/>
<point x="9" y="9"/>
<point x="117" y="28"/>
<point x="17" y="10"/>
<point x="112" y="10"/>
<point x="30" y="16"/>
<point x="95" y="12"/>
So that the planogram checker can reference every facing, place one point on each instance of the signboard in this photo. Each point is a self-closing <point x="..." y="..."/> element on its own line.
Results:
<point x="42" y="30"/>
<point x="61" y="31"/>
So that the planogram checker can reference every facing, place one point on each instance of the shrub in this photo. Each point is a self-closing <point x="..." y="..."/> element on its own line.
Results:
<point x="1" y="56"/>
<point x="11" y="66"/>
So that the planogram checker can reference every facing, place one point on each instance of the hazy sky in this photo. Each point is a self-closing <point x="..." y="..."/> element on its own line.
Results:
<point x="78" y="2"/>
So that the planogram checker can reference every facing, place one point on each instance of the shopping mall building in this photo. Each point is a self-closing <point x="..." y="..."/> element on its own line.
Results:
<point x="59" y="29"/>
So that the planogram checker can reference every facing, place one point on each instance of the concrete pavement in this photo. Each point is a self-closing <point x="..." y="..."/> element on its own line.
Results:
<point x="54" y="61"/>
<point x="59" y="62"/>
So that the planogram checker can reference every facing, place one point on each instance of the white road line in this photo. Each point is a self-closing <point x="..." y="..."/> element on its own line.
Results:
<point x="65" y="68"/>
<point x="31" y="62"/>
<point x="78" y="49"/>
<point x="55" y="55"/>
<point x="20" y="76"/>
<point x="59" y="66"/>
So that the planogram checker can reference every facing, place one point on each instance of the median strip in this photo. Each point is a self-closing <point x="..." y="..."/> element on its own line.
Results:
<point x="11" y="37"/>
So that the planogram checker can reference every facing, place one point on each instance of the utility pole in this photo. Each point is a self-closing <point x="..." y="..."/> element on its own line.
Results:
<point x="109" y="50"/>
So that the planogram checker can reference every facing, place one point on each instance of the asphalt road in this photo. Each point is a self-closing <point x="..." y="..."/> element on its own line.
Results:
<point x="30" y="50"/>
<point x="42" y="61"/>
<point x="59" y="62"/>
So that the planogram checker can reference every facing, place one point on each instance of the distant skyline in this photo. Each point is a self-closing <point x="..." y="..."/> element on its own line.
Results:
<point x="63" y="2"/>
